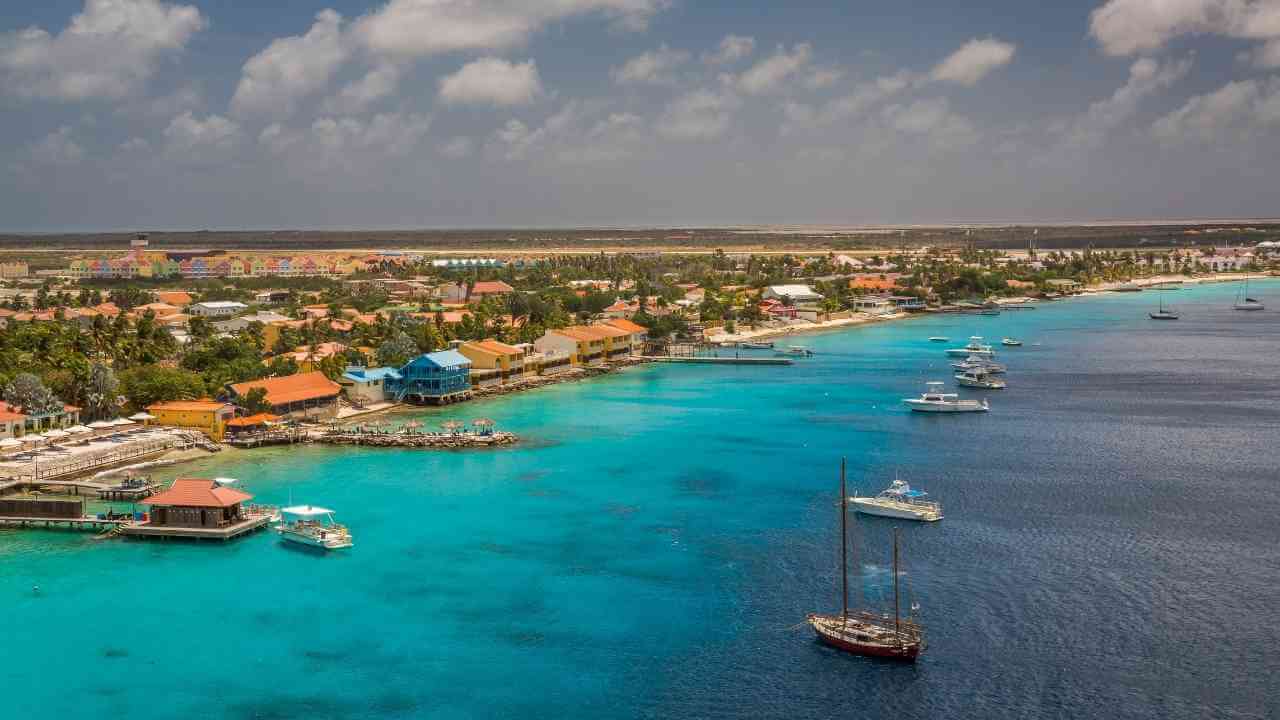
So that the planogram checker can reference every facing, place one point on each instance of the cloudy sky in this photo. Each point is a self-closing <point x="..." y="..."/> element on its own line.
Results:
<point x="122" y="114"/>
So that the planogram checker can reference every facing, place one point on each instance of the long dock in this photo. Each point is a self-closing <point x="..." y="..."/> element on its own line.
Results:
<point x="87" y="522"/>
<point x="719" y="360"/>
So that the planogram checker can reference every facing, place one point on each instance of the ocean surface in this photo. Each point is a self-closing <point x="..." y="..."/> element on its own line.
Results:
<point x="650" y="549"/>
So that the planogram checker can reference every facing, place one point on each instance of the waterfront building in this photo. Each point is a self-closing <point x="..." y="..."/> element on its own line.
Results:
<point x="797" y="293"/>
<point x="12" y="423"/>
<point x="251" y="423"/>
<point x="494" y="362"/>
<point x="582" y="348"/>
<point x="1065" y="286"/>
<point x="55" y="419"/>
<point x="617" y="342"/>
<point x="438" y="378"/>
<point x="304" y="395"/>
<point x="207" y="416"/>
<point x="218" y="308"/>
<point x="368" y="385"/>
<point x="196" y="503"/>
<point x="638" y="334"/>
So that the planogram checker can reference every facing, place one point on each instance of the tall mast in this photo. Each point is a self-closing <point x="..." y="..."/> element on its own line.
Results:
<point x="844" y="547"/>
<point x="896" y="622"/>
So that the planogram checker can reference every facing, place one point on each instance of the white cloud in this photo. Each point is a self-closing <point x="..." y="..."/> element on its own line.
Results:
<point x="974" y="61"/>
<point x="1146" y="77"/>
<point x="932" y="119"/>
<point x="108" y="50"/>
<point x="769" y="74"/>
<point x="1239" y="108"/>
<point x="698" y="115"/>
<point x="579" y="134"/>
<point x="355" y="97"/>
<point x="57" y="148"/>
<point x="1268" y="55"/>
<point x="292" y="68"/>
<point x="492" y="81"/>
<point x="1126" y="27"/>
<point x="823" y="77"/>
<point x="799" y="117"/>
<point x="651" y="68"/>
<point x="732" y="49"/>
<point x="345" y="143"/>
<point x="417" y="28"/>
<point x="187" y="132"/>
<point x="458" y="147"/>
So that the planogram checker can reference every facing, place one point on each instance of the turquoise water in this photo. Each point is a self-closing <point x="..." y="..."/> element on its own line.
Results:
<point x="1110" y="547"/>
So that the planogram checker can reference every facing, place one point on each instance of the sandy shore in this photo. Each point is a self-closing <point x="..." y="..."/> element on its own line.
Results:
<point x="803" y="327"/>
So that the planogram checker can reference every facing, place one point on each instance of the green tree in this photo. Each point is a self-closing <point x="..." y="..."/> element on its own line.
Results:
<point x="147" y="384"/>
<point x="101" y="391"/>
<point x="29" y="392"/>
<point x="397" y="350"/>
<point x="255" y="401"/>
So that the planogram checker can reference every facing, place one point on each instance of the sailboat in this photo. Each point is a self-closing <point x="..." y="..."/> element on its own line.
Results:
<point x="860" y="631"/>
<point x="1162" y="313"/>
<point x="1248" y="303"/>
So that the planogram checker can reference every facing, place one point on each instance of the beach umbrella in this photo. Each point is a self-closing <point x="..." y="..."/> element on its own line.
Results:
<point x="121" y="421"/>
<point x="225" y="480"/>
<point x="79" y="429"/>
<point x="56" y="434"/>
<point x="10" y="443"/>
<point x="99" y="425"/>
<point x="451" y="425"/>
<point x="142" y="416"/>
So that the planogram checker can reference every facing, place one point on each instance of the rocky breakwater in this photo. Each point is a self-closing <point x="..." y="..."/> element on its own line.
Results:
<point x="437" y="441"/>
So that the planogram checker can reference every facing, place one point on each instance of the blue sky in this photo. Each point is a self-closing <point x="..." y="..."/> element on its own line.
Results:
<point x="121" y="114"/>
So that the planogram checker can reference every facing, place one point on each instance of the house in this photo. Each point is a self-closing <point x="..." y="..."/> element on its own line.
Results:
<point x="242" y="323"/>
<point x="797" y="293"/>
<point x="217" y="308"/>
<point x="1019" y="284"/>
<point x="493" y="361"/>
<point x="368" y="385"/>
<point x="583" y="348"/>
<point x="271" y="297"/>
<point x="207" y="416"/>
<point x="876" y="283"/>
<point x="438" y="378"/>
<point x="65" y="417"/>
<point x="12" y="422"/>
<point x="775" y="310"/>
<point x="638" y="334"/>
<point x="873" y="304"/>
<point x="308" y="358"/>
<point x="1063" y="285"/>
<point x="617" y="343"/>
<point x="177" y="298"/>
<point x="845" y="261"/>
<point x="457" y="292"/>
<point x="196" y="503"/>
<point x="304" y="395"/>
<point x="159" y="309"/>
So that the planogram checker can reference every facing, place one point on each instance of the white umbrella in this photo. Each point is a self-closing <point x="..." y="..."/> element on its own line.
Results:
<point x="99" y="424"/>
<point x="121" y="421"/>
<point x="142" y="416"/>
<point x="225" y="480"/>
<point x="78" y="429"/>
<point x="10" y="443"/>
<point x="56" y="434"/>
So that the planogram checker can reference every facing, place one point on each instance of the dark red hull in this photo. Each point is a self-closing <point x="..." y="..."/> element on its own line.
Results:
<point x="908" y="653"/>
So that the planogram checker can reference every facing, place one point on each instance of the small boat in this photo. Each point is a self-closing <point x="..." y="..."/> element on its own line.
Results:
<point x="756" y="345"/>
<point x="795" y="351"/>
<point x="975" y="347"/>
<point x="939" y="338"/>
<point x="1247" y="303"/>
<point x="981" y="379"/>
<point x="861" y="631"/>
<point x="988" y="312"/>
<point x="313" y="526"/>
<point x="1010" y="342"/>
<point x="1162" y="313"/>
<point x="1129" y="287"/>
<point x="899" y="501"/>
<point x="934" y="400"/>
<point x="974" y="362"/>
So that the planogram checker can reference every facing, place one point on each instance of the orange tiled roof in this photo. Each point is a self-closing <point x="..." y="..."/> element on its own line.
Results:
<point x="491" y="287"/>
<point x="253" y="420"/>
<point x="610" y="331"/>
<point x="627" y="325"/>
<point x="188" y="405"/>
<point x="174" y="297"/>
<point x="291" y="388"/>
<point x="197" y="492"/>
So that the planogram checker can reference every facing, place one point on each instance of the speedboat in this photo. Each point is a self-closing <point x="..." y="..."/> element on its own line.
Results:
<point x="313" y="526"/>
<point x="939" y="338"/>
<point x="757" y="345"/>
<point x="934" y="400"/>
<point x="795" y="351"/>
<point x="979" y="379"/>
<point x="977" y="362"/>
<point x="975" y="347"/>
<point x="1010" y="342"/>
<point x="899" y="501"/>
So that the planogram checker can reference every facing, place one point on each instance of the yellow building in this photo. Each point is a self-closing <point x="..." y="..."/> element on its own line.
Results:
<point x="207" y="416"/>
<point x="507" y="360"/>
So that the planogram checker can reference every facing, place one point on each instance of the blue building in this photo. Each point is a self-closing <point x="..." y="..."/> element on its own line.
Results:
<point x="368" y="385"/>
<point x="437" y="378"/>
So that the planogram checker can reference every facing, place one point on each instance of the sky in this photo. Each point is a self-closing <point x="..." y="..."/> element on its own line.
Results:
<point x="227" y="114"/>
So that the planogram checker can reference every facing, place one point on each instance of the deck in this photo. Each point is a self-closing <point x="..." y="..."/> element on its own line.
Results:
<point x="690" y="360"/>
<point x="147" y="530"/>
<point x="86" y="522"/>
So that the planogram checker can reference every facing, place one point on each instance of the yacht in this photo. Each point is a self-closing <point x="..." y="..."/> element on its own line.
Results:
<point x="977" y="362"/>
<point x="900" y="501"/>
<point x="795" y="351"/>
<point x="313" y="526"/>
<point x="1247" y="303"/>
<point x="934" y="400"/>
<point x="980" y="379"/>
<point x="1010" y="342"/>
<point x="1163" y="313"/>
<point x="975" y="347"/>
<point x="939" y="338"/>
<point x="756" y="345"/>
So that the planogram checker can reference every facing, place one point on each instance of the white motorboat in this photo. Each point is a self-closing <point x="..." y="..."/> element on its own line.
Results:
<point x="977" y="362"/>
<point x="795" y="351"/>
<point x="1010" y="342"/>
<point x="975" y="347"/>
<point x="899" y="501"/>
<point x="934" y="400"/>
<point x="980" y="379"/>
<point x="313" y="526"/>
<point x="939" y="338"/>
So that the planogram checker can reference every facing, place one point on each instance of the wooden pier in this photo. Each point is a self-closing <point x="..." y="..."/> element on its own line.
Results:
<point x="145" y="529"/>
<point x="697" y="360"/>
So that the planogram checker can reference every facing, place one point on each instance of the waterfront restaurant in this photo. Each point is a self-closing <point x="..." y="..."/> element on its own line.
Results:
<point x="305" y="395"/>
<point x="196" y="503"/>
<point x="207" y="416"/>
<point x="438" y="378"/>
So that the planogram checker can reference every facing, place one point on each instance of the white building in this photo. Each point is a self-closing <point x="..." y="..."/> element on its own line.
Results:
<point x="217" y="308"/>
<point x="797" y="293"/>
<point x="242" y="322"/>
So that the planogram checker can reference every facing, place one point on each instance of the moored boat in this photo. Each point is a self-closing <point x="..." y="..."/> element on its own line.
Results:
<point x="860" y="631"/>
<point x="900" y="501"/>
<point x="1247" y="303"/>
<point x="974" y="347"/>
<point x="1010" y="342"/>
<point x="977" y="362"/>
<point x="313" y="526"/>
<point x="934" y="400"/>
<point x="939" y="338"/>
<point x="757" y="345"/>
<point x="795" y="351"/>
<point x="979" y="379"/>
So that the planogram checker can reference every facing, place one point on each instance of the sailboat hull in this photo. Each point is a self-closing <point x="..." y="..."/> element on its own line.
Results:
<point x="843" y="642"/>
<point x="1249" y="306"/>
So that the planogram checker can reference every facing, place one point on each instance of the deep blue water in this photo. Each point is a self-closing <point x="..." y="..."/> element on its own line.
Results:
<point x="1110" y="547"/>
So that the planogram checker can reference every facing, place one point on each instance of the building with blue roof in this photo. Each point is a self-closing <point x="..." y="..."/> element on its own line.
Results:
<point x="436" y="378"/>
<point x="364" y="386"/>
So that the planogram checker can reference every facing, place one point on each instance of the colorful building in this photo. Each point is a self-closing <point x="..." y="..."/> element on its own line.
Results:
<point x="304" y="395"/>
<point x="493" y="361"/>
<point x="207" y="416"/>
<point x="438" y="378"/>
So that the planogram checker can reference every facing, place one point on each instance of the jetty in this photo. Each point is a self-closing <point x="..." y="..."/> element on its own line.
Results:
<point x="712" y="360"/>
<point x="411" y="435"/>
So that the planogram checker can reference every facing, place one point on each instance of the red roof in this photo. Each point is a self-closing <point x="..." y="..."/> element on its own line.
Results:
<point x="197" y="492"/>
<point x="491" y="287"/>
<point x="292" y="388"/>
<point x="253" y="420"/>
